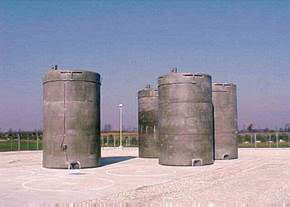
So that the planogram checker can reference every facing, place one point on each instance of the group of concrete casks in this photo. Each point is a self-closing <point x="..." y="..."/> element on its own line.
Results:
<point x="188" y="121"/>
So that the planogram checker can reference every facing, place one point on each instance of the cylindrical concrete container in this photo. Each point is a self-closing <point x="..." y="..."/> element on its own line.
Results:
<point x="225" y="121"/>
<point x="147" y="121"/>
<point x="185" y="125"/>
<point x="71" y="119"/>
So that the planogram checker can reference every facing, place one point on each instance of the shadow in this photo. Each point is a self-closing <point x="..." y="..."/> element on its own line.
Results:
<point x="112" y="160"/>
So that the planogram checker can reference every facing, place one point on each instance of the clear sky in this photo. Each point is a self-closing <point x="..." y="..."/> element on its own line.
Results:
<point x="130" y="43"/>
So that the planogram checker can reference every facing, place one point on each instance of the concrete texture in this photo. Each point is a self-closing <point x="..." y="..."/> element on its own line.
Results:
<point x="224" y="98"/>
<point x="149" y="146"/>
<point x="185" y="119"/>
<point x="71" y="118"/>
<point x="260" y="177"/>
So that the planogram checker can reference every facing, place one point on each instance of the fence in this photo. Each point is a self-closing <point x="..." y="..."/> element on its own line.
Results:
<point x="20" y="142"/>
<point x="264" y="139"/>
<point x="33" y="141"/>
<point x="113" y="141"/>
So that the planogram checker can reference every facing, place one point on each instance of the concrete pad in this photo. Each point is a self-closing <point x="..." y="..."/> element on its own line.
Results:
<point x="260" y="177"/>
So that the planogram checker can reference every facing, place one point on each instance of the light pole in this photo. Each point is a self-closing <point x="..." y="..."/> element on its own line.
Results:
<point x="121" y="123"/>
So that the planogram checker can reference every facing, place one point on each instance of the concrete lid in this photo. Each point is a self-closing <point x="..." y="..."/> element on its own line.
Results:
<point x="148" y="92"/>
<point x="217" y="85"/>
<point x="223" y="87"/>
<point x="71" y="75"/>
<point x="224" y="84"/>
<point x="181" y="78"/>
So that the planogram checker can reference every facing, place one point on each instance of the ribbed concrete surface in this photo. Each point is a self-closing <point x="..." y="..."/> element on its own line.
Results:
<point x="259" y="177"/>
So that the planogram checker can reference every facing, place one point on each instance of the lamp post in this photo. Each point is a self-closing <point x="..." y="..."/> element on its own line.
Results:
<point x="121" y="123"/>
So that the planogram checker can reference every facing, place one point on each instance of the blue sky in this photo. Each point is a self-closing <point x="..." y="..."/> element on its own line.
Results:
<point x="131" y="43"/>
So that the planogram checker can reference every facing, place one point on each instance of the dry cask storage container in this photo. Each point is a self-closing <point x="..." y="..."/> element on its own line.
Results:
<point x="147" y="121"/>
<point x="225" y="121"/>
<point x="71" y="118"/>
<point x="185" y="125"/>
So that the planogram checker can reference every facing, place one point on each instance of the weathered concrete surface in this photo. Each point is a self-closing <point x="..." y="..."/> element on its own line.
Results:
<point x="71" y="118"/>
<point x="185" y="119"/>
<point x="224" y="98"/>
<point x="149" y="146"/>
<point x="260" y="177"/>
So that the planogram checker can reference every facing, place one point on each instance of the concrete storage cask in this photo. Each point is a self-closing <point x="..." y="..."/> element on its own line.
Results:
<point x="225" y="121"/>
<point x="71" y="119"/>
<point x="185" y="119"/>
<point x="147" y="121"/>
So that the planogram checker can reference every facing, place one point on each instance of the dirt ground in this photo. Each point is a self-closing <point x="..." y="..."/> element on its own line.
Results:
<point x="260" y="177"/>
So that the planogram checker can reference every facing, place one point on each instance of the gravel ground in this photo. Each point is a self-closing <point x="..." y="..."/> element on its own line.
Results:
<point x="260" y="177"/>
